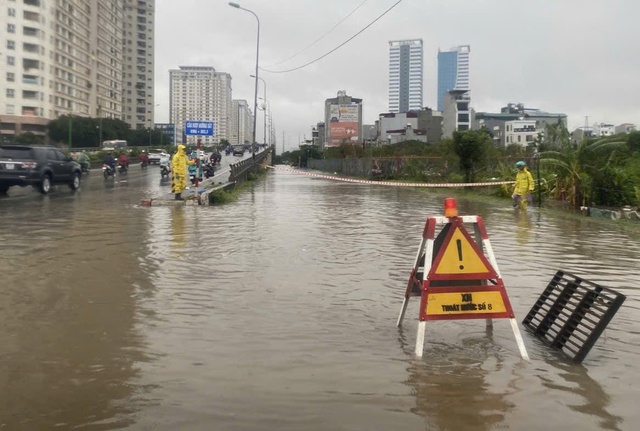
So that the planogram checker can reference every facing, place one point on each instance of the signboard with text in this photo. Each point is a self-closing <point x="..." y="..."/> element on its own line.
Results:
<point x="343" y="123"/>
<point x="198" y="128"/>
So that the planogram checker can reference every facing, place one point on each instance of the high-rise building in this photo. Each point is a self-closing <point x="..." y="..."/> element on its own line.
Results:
<point x="57" y="59"/>
<point x="199" y="93"/>
<point x="80" y="57"/>
<point x="405" y="75"/>
<point x="138" y="51"/>
<point x="453" y="72"/>
<point x="343" y="120"/>
<point x="241" y="123"/>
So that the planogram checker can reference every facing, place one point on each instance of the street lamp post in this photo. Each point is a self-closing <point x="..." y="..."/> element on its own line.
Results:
<point x="100" y="121"/>
<point x="267" y="113"/>
<point x="161" y="129"/>
<point x="264" y="83"/>
<point x="70" y="131"/>
<point x="255" y="93"/>
<point x="238" y="126"/>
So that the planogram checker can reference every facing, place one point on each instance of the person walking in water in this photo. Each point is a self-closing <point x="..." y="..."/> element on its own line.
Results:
<point x="523" y="186"/>
<point x="179" y="163"/>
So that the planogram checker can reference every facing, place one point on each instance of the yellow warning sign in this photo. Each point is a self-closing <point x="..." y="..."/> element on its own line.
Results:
<point x="461" y="256"/>
<point x="465" y="303"/>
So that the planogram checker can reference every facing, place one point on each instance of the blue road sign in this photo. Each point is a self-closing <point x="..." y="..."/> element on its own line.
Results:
<point x="198" y="128"/>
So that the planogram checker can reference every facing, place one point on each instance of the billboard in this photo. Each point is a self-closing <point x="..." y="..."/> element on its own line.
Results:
<point x="343" y="123"/>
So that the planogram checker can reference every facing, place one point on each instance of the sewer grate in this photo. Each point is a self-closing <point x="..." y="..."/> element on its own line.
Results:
<point x="571" y="314"/>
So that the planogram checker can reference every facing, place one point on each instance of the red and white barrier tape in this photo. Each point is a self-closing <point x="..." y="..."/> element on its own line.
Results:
<point x="390" y="183"/>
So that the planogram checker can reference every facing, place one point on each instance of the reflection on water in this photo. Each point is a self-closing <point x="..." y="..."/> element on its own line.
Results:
<point x="453" y="384"/>
<point x="279" y="311"/>
<point x="523" y="227"/>
<point x="68" y="320"/>
<point x="593" y="400"/>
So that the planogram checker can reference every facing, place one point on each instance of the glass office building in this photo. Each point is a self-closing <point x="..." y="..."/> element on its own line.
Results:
<point x="453" y="72"/>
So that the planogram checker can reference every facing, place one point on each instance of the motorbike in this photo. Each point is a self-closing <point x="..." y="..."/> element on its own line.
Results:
<point x="108" y="171"/>
<point x="143" y="165"/>
<point x="208" y="170"/>
<point x="85" y="167"/>
<point x="165" y="170"/>
<point x="193" y="170"/>
<point x="122" y="168"/>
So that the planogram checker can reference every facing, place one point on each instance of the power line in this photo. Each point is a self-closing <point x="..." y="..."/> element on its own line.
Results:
<point x="337" y="47"/>
<point x="321" y="37"/>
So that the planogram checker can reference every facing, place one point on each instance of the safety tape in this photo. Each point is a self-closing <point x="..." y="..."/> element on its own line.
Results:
<point x="389" y="183"/>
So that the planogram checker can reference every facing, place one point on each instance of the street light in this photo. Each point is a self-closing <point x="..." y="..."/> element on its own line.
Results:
<point x="161" y="129"/>
<point x="255" y="93"/>
<point x="100" y="120"/>
<point x="266" y="107"/>
<point x="264" y="83"/>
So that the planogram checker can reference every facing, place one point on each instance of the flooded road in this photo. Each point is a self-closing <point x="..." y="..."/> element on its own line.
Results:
<point x="278" y="312"/>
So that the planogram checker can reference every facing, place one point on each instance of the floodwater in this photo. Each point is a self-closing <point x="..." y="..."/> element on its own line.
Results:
<point x="278" y="312"/>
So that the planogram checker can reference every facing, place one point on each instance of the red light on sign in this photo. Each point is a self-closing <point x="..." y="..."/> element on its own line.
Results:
<point x="450" y="207"/>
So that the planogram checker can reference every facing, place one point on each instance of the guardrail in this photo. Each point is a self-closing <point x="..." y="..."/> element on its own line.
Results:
<point x="241" y="170"/>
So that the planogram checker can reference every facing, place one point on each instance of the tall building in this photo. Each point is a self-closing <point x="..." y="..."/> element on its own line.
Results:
<point x="77" y="57"/>
<point x="138" y="51"/>
<point x="343" y="117"/>
<point x="57" y="59"/>
<point x="405" y="75"/>
<point x="241" y="123"/>
<point x="199" y="93"/>
<point x="453" y="72"/>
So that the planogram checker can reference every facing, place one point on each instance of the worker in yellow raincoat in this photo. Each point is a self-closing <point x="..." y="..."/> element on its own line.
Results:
<point x="523" y="186"/>
<point x="180" y="162"/>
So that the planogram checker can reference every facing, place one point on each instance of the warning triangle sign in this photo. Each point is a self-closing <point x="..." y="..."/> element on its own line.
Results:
<point x="460" y="258"/>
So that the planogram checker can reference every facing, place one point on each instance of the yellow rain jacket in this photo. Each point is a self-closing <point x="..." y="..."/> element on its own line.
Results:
<point x="180" y="162"/>
<point x="524" y="183"/>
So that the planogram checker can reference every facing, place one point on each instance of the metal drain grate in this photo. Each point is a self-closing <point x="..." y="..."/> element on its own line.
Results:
<point x="571" y="314"/>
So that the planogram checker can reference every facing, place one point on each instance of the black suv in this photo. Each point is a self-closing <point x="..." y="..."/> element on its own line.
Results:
<point x="41" y="167"/>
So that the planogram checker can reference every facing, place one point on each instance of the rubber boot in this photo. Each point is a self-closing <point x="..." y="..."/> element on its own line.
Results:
<point x="179" y="197"/>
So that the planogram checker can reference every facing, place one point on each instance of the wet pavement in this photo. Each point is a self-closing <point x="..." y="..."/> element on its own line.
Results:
<point x="278" y="312"/>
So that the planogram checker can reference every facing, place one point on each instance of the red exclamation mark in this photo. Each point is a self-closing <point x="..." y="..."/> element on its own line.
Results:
<point x="459" y="244"/>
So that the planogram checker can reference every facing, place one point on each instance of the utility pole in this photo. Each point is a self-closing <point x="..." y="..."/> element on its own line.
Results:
<point x="100" y="119"/>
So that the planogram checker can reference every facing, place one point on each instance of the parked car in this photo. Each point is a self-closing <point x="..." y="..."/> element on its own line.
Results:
<point x="41" y="167"/>
<point x="238" y="150"/>
<point x="155" y="155"/>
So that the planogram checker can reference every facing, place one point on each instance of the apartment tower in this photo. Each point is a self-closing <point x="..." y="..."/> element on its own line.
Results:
<point x="199" y="93"/>
<point x="58" y="59"/>
<point x="138" y="50"/>
<point x="241" y="123"/>
<point x="405" y="75"/>
<point x="453" y="72"/>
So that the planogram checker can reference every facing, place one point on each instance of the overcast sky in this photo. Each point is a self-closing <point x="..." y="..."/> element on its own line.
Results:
<point x="579" y="57"/>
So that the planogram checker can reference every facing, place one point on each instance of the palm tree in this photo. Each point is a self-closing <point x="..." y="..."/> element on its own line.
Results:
<point x="576" y="164"/>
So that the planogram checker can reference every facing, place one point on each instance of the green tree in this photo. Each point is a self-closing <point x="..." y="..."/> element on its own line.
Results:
<point x="29" y="138"/>
<point x="577" y="165"/>
<point x="633" y="140"/>
<point x="471" y="147"/>
<point x="85" y="131"/>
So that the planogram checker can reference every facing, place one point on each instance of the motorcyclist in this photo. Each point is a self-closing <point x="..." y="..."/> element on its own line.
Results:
<point x="123" y="160"/>
<point x="110" y="161"/>
<point x="83" y="160"/>
<point x="180" y="162"/>
<point x="144" y="157"/>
